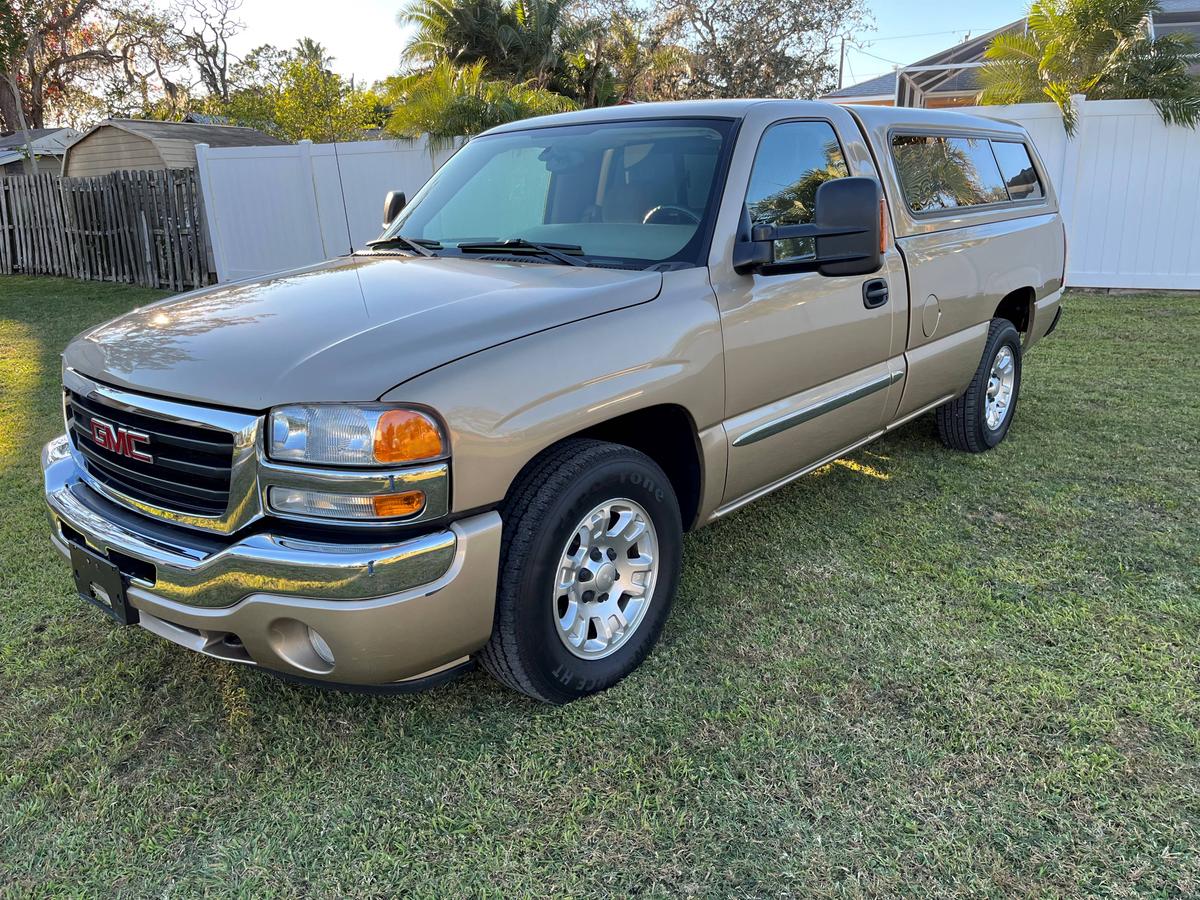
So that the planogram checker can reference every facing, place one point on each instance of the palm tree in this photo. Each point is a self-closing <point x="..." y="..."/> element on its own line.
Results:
<point x="309" y="51"/>
<point x="539" y="34"/>
<point x="626" y="56"/>
<point x="518" y="40"/>
<point x="446" y="102"/>
<point x="460" y="31"/>
<point x="1099" y="48"/>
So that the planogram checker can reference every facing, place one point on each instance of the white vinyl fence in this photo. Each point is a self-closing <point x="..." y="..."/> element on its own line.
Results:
<point x="276" y="208"/>
<point x="1129" y="187"/>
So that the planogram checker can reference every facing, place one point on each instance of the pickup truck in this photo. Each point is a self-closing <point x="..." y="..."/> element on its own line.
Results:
<point x="482" y="437"/>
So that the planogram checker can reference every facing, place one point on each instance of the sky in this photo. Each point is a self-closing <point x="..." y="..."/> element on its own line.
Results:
<point x="905" y="32"/>
<point x="365" y="40"/>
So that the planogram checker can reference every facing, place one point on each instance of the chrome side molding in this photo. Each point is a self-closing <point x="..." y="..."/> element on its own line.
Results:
<point x="808" y="413"/>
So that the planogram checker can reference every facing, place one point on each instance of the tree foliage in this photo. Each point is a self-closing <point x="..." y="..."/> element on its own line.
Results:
<point x="295" y="97"/>
<point x="471" y="63"/>
<point x="609" y="52"/>
<point x="1101" y="49"/>
<point x="73" y="61"/>
<point x="748" y="48"/>
<point x="517" y="40"/>
<point x="448" y="101"/>
<point x="52" y="47"/>
<point x="629" y="55"/>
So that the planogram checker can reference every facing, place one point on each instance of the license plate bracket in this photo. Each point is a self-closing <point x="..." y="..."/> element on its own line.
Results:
<point x="101" y="584"/>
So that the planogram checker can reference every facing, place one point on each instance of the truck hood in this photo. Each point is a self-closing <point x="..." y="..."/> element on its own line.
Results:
<point x="344" y="330"/>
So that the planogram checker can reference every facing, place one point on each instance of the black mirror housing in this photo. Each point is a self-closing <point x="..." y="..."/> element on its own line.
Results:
<point x="850" y="203"/>
<point x="393" y="204"/>
<point x="847" y="232"/>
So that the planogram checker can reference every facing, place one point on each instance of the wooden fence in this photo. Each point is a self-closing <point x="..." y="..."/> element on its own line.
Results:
<point x="138" y="227"/>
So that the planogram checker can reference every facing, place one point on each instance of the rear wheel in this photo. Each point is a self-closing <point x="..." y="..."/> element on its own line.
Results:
<point x="589" y="565"/>
<point x="980" y="418"/>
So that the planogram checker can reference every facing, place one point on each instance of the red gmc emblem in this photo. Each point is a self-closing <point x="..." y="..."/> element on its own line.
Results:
<point x="121" y="441"/>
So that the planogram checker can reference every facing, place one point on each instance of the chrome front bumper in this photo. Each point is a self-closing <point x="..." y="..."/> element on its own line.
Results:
<point x="388" y="612"/>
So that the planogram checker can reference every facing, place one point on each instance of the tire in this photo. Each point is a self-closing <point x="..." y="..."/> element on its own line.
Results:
<point x="528" y="649"/>
<point x="963" y="423"/>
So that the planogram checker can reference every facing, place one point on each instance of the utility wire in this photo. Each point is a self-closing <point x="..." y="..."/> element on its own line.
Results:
<point x="873" y="56"/>
<point x="901" y="37"/>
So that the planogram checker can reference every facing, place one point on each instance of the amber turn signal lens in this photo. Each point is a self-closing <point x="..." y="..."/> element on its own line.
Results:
<point x="407" y="504"/>
<point x="403" y="435"/>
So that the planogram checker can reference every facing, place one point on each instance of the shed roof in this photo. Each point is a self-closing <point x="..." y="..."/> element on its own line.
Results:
<point x="213" y="135"/>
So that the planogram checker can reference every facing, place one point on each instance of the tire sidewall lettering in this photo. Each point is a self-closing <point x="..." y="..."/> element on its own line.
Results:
<point x="645" y="483"/>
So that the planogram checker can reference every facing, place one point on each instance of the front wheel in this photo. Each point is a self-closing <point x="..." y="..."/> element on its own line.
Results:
<point x="590" y="559"/>
<point x="980" y="418"/>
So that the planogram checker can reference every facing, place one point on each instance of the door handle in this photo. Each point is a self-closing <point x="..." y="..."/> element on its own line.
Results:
<point x="875" y="293"/>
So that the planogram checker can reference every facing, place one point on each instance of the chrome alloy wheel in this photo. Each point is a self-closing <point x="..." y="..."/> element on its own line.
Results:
<point x="606" y="579"/>
<point x="1000" y="388"/>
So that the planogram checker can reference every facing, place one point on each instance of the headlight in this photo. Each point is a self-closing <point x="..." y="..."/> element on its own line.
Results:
<point x="337" y="435"/>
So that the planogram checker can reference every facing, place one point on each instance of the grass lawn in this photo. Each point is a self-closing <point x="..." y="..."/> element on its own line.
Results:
<point x="915" y="671"/>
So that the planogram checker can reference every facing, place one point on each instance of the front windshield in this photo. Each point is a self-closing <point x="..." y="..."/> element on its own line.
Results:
<point x="634" y="192"/>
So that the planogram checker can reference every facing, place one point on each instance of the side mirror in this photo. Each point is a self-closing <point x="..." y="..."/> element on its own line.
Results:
<point x="393" y="203"/>
<point x="847" y="231"/>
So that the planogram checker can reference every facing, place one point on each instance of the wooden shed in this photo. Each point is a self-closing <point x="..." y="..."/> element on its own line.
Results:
<point x="117" y="144"/>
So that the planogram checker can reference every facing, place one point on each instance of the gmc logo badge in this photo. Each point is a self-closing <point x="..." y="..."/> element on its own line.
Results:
<point x="121" y="441"/>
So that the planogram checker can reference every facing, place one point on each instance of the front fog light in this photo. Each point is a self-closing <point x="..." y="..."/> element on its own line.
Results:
<point x="320" y="647"/>
<point x="327" y="505"/>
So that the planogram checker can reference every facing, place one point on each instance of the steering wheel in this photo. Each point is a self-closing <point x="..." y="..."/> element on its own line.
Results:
<point x="678" y="212"/>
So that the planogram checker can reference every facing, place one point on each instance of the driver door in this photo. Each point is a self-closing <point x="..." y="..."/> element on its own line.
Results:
<point x="806" y="356"/>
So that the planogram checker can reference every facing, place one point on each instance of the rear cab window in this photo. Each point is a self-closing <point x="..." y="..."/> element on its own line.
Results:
<point x="948" y="172"/>
<point x="1020" y="174"/>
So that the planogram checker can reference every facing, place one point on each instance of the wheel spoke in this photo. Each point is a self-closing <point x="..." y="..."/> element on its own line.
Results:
<point x="568" y="621"/>
<point x="633" y="535"/>
<point x="603" y="632"/>
<point x="641" y="563"/>
<point x="635" y="586"/>
<point x="577" y="634"/>
<point x="624" y="519"/>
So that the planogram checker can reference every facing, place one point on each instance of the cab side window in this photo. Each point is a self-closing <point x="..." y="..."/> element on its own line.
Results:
<point x="939" y="173"/>
<point x="793" y="160"/>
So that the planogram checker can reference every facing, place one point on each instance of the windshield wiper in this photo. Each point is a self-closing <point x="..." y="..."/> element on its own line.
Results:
<point x="554" y="251"/>
<point x="424" y="248"/>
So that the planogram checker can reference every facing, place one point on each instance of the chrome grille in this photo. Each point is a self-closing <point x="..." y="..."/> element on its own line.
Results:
<point x="191" y="469"/>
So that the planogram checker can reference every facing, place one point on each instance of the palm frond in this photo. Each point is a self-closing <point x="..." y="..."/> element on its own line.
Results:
<point x="1098" y="48"/>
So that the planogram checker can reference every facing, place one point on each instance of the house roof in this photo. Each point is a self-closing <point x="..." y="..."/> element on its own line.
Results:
<point x="17" y="138"/>
<point x="961" y="82"/>
<point x="213" y="135"/>
<point x="206" y="119"/>
<point x="874" y="87"/>
<point x="966" y="80"/>
<point x="949" y="81"/>
<point x="1171" y="7"/>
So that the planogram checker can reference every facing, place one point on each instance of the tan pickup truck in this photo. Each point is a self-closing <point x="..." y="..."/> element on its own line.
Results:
<point x="482" y="436"/>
